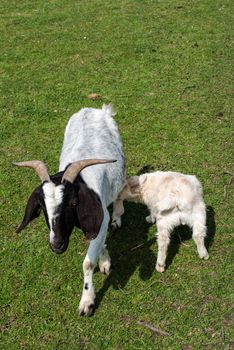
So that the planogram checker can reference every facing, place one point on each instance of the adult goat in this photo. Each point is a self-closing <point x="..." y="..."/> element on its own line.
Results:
<point x="79" y="194"/>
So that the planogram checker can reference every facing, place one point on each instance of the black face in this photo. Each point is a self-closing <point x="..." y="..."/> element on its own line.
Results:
<point x="64" y="219"/>
<point x="80" y="206"/>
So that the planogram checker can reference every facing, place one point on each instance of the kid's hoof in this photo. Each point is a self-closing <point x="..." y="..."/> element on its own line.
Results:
<point x="116" y="224"/>
<point x="160" y="268"/>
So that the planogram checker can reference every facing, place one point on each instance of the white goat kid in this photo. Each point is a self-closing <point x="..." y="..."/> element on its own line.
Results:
<point x="173" y="199"/>
<point x="79" y="194"/>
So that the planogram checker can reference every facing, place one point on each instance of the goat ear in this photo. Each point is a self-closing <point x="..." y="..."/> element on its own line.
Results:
<point x="89" y="211"/>
<point x="133" y="183"/>
<point x="32" y="210"/>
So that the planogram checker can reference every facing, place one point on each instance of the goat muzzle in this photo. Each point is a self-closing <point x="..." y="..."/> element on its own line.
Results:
<point x="59" y="247"/>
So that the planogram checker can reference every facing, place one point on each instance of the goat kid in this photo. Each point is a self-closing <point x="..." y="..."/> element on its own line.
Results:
<point x="78" y="195"/>
<point x="173" y="199"/>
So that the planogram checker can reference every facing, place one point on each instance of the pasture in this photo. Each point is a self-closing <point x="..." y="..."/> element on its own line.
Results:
<point x="167" y="67"/>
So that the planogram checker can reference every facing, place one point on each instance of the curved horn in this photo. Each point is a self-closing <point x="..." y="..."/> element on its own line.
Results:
<point x="38" y="166"/>
<point x="75" y="168"/>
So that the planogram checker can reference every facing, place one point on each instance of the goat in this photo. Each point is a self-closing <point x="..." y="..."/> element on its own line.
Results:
<point x="79" y="197"/>
<point x="173" y="199"/>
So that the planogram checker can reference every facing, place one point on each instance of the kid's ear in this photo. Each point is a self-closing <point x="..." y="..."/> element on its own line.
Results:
<point x="133" y="184"/>
<point x="89" y="212"/>
<point x="32" y="210"/>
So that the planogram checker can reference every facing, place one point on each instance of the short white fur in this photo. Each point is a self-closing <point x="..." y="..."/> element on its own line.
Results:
<point x="93" y="133"/>
<point x="173" y="199"/>
<point x="53" y="197"/>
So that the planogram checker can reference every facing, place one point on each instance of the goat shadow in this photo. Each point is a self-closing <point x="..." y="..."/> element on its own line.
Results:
<point x="130" y="248"/>
<point x="184" y="233"/>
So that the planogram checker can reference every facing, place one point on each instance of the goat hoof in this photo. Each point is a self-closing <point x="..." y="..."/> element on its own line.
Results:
<point x="105" y="267"/>
<point x="86" y="309"/>
<point x="148" y="219"/>
<point x="203" y="254"/>
<point x="116" y="224"/>
<point x="160" y="268"/>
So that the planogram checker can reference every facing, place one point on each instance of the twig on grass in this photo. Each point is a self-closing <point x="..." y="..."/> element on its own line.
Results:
<point x="225" y="192"/>
<point x="121" y="290"/>
<point x="228" y="173"/>
<point x="181" y="242"/>
<point x="153" y="328"/>
<point x="227" y="184"/>
<point x="222" y="334"/>
<point x="137" y="246"/>
<point x="163" y="282"/>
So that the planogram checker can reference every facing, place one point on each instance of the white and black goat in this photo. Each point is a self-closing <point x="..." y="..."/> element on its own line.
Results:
<point x="173" y="199"/>
<point x="79" y="194"/>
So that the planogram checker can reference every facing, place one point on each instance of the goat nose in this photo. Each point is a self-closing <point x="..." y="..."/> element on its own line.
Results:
<point x="58" y="245"/>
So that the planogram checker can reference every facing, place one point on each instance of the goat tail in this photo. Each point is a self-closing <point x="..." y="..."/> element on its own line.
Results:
<point x="108" y="110"/>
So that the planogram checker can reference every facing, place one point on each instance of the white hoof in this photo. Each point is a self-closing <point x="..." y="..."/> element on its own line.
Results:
<point x="160" y="268"/>
<point x="116" y="224"/>
<point x="105" y="267"/>
<point x="203" y="254"/>
<point x="105" y="262"/>
<point x="148" y="219"/>
<point x="86" y="307"/>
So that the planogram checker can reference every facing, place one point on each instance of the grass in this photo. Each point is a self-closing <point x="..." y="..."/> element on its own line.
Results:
<point x="167" y="66"/>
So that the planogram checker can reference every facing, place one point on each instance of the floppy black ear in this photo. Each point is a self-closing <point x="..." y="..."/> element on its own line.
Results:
<point x="89" y="211"/>
<point x="32" y="210"/>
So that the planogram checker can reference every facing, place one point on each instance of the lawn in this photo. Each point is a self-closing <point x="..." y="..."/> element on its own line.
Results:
<point x="167" y="67"/>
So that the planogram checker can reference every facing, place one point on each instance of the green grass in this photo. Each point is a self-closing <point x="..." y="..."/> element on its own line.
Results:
<point x="167" y="66"/>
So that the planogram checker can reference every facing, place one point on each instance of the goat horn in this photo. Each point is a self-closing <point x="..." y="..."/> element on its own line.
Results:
<point x="75" y="168"/>
<point x="38" y="166"/>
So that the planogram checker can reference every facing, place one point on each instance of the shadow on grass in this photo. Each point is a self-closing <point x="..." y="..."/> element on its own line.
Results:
<point x="130" y="248"/>
<point x="211" y="226"/>
<point x="148" y="168"/>
<point x="184" y="233"/>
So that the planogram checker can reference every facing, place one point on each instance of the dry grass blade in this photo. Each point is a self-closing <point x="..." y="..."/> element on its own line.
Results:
<point x="138" y="246"/>
<point x="154" y="329"/>
<point x="181" y="242"/>
<point x="222" y="334"/>
<point x="225" y="194"/>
